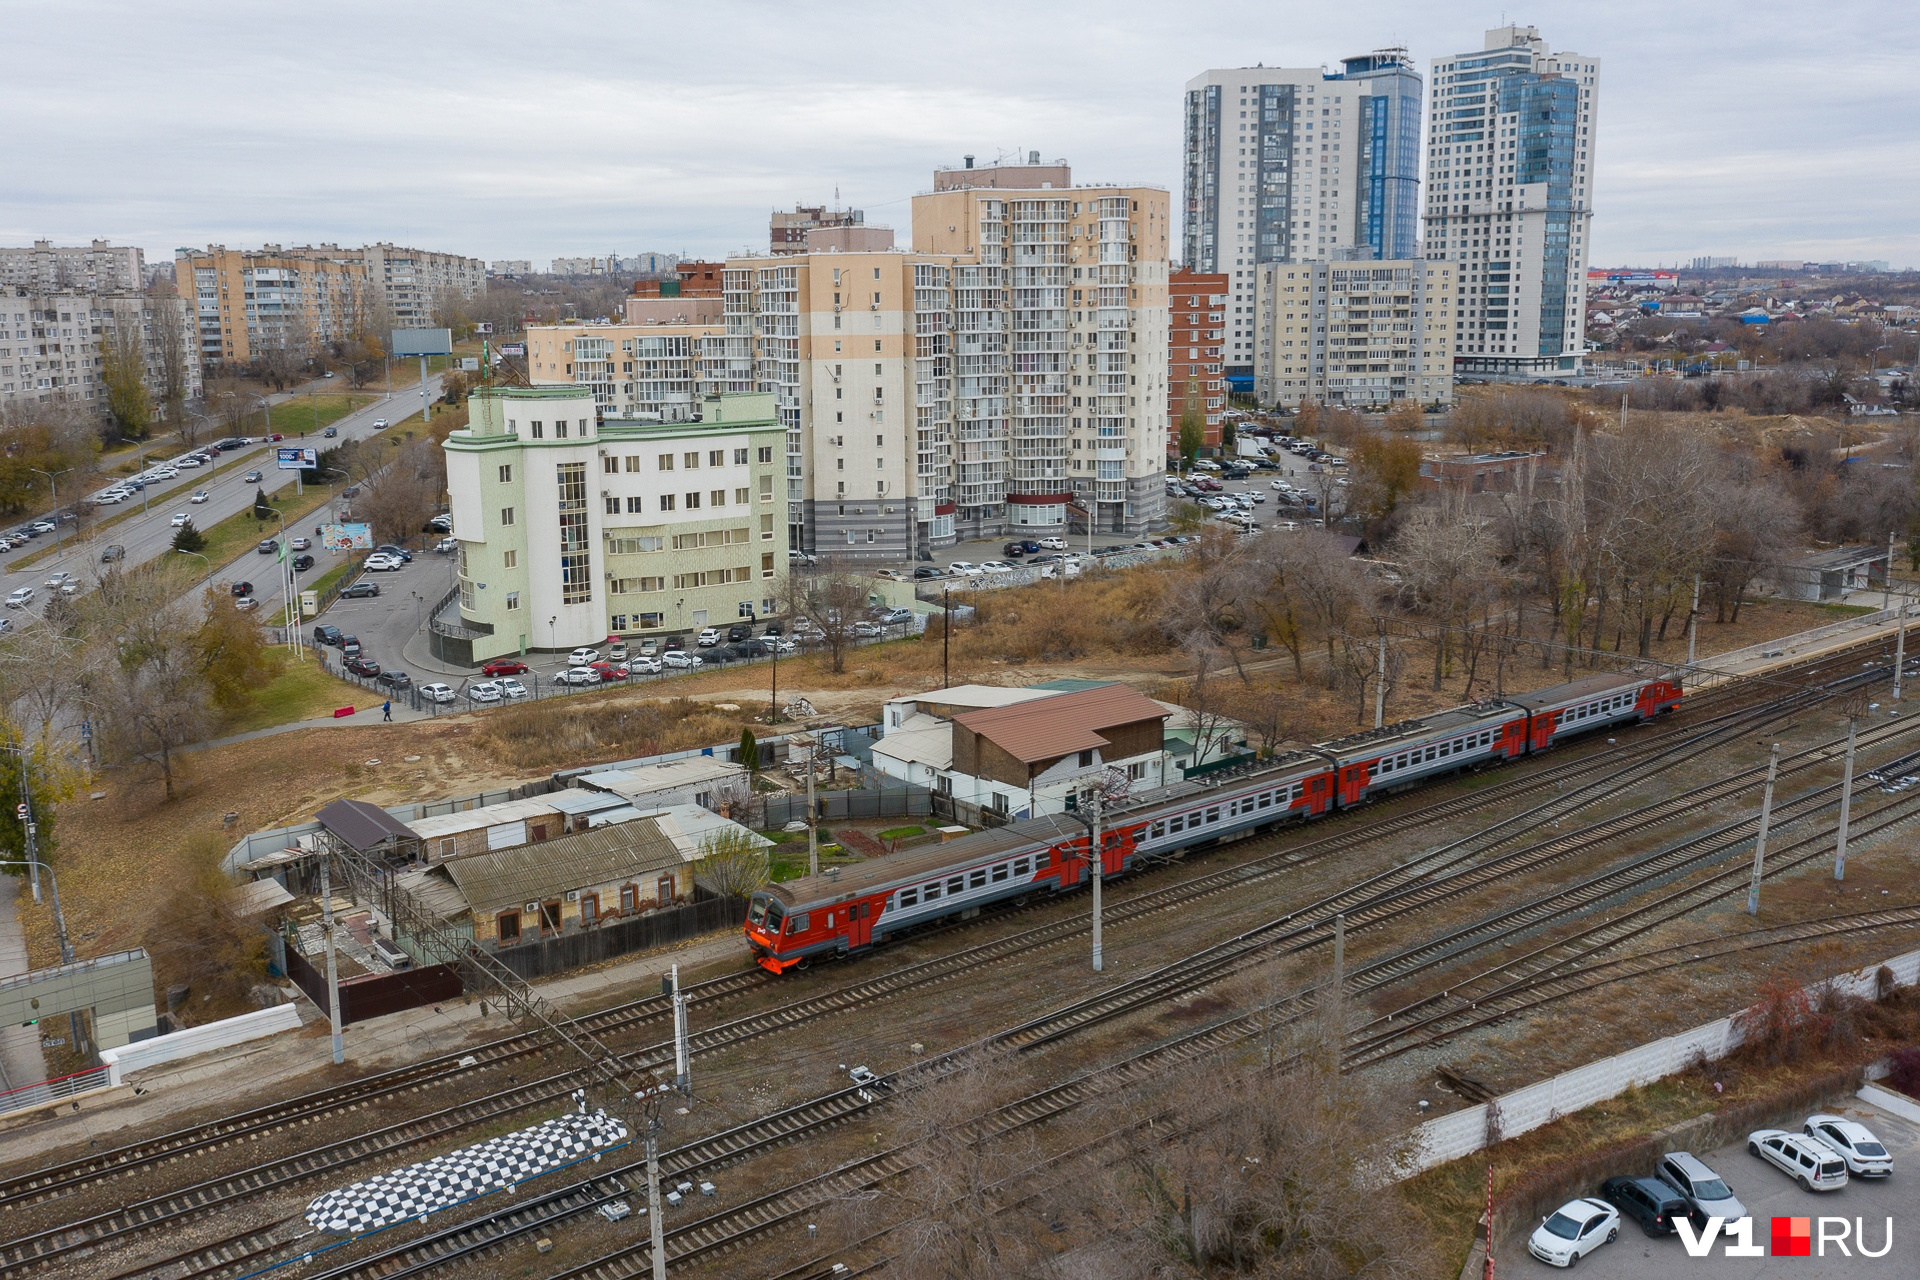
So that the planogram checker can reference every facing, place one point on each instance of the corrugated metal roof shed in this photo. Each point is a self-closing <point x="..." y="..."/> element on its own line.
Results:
<point x="1066" y="722"/>
<point x="535" y="872"/>
<point x="362" y="825"/>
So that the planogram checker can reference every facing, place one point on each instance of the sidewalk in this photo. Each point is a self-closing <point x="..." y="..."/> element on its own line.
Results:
<point x="21" y="1062"/>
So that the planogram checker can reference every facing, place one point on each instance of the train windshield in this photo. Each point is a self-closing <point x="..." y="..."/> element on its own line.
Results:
<point x="775" y="913"/>
<point x="757" y="913"/>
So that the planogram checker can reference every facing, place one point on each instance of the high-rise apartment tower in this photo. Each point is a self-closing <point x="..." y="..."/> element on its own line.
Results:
<point x="1287" y="165"/>
<point x="1510" y="158"/>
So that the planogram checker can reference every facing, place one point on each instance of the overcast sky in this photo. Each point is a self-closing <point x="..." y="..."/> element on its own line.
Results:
<point x="1757" y="129"/>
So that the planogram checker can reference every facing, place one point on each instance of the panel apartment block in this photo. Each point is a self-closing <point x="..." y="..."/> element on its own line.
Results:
<point x="1358" y="332"/>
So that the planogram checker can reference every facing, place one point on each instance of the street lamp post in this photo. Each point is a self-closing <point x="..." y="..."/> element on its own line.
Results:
<point x="54" y="485"/>
<point x="208" y="585"/>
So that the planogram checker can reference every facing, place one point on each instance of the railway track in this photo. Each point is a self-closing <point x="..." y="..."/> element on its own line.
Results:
<point x="57" y="1242"/>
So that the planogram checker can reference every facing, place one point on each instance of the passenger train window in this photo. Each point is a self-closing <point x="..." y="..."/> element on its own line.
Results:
<point x="955" y="884"/>
<point x="977" y="879"/>
<point x="798" y="924"/>
<point x="929" y="892"/>
<point x="909" y="896"/>
<point x="1178" y="823"/>
<point x="1159" y="829"/>
<point x="1000" y="872"/>
<point x="1213" y="814"/>
<point x="1020" y="867"/>
<point x="1266" y="799"/>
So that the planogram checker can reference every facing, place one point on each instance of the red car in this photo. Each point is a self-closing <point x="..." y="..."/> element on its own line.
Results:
<point x="609" y="670"/>
<point x="503" y="667"/>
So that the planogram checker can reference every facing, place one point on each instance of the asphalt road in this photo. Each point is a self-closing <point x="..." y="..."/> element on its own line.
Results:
<point x="150" y="534"/>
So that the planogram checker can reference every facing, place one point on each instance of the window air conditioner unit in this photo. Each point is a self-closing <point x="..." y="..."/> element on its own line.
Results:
<point x="573" y="895"/>
<point x="531" y="907"/>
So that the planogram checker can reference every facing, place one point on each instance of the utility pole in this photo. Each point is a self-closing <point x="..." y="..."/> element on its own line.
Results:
<point x="946" y="637"/>
<point x="1886" y="582"/>
<point x="813" y="821"/>
<point x="655" y="1230"/>
<point x="426" y="407"/>
<point x="1846" y="806"/>
<point x="1900" y="651"/>
<point x="333" y="969"/>
<point x="682" y="1071"/>
<point x="1760" y="841"/>
<point x="1098" y="865"/>
<point x="1693" y="620"/>
<point x="1337" y="993"/>
<point x="1380" y="683"/>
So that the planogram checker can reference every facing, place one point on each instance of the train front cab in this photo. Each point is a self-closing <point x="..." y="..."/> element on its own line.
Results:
<point x="1658" y="697"/>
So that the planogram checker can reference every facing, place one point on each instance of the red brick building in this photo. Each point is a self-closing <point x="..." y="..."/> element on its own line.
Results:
<point x="1196" y="306"/>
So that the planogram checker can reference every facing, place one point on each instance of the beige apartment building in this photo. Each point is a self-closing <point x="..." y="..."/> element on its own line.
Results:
<point x="251" y="301"/>
<point x="1012" y="363"/>
<point x="100" y="267"/>
<point x="51" y="343"/>
<point x="1356" y="332"/>
<point x="641" y="372"/>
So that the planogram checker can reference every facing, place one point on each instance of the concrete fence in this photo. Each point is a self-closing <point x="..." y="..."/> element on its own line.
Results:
<point x="144" y="1054"/>
<point x="1464" y="1132"/>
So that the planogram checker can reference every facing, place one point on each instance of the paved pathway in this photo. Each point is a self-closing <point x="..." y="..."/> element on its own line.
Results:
<point x="21" y="1062"/>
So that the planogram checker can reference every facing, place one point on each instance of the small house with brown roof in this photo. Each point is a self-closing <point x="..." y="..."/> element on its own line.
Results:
<point x="1046" y="755"/>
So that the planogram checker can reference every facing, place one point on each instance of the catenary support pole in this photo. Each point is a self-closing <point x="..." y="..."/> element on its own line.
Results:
<point x="1380" y="683"/>
<point x="656" y="1233"/>
<point x="1900" y="651"/>
<point x="1693" y="620"/>
<point x="1096" y="863"/>
<point x="1886" y="580"/>
<point x="1337" y="993"/>
<point x="1846" y="806"/>
<point x="813" y="818"/>
<point x="333" y="970"/>
<point x="682" y="1070"/>
<point x="1760" y="840"/>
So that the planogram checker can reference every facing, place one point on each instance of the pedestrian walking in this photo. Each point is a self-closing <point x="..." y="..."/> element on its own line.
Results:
<point x="386" y="709"/>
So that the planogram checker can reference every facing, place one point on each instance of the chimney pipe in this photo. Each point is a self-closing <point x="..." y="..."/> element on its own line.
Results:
<point x="969" y="160"/>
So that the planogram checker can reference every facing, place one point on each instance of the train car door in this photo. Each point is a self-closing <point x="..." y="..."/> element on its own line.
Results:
<point x="1319" y="793"/>
<point x="1543" y="723"/>
<point x="1353" y="781"/>
<point x="859" y="923"/>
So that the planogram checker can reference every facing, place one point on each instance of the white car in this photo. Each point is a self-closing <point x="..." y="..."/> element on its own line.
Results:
<point x="166" y="473"/>
<point x="1853" y="1142"/>
<point x="246" y="604"/>
<point x="777" y="644"/>
<point x="963" y="567"/>
<point x="179" y="518"/>
<point x="1573" y="1231"/>
<point x="59" y="580"/>
<point x="485" y="691"/>
<point x="1053" y="544"/>
<point x="995" y="566"/>
<point x="380" y="424"/>
<point x="188" y="463"/>
<point x="577" y="675"/>
<point x="20" y="598"/>
<point x="381" y="563"/>
<point x="6" y="625"/>
<point x="511" y="688"/>
<point x="199" y="495"/>
<point x="679" y="661"/>
<point x="1808" y="1161"/>
<point x="583" y="656"/>
<point x="108" y="498"/>
<point x="437" y="692"/>
<point x="708" y="638"/>
<point x="643" y="666"/>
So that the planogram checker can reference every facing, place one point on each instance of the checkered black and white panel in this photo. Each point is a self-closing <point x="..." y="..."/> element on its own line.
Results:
<point x="444" y="1181"/>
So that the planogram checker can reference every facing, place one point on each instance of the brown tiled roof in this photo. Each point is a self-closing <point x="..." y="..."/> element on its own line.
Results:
<point x="1048" y="728"/>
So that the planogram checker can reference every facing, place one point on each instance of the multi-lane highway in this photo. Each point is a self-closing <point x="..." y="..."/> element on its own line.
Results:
<point x="149" y="533"/>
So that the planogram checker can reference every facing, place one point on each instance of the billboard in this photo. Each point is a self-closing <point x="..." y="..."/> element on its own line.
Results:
<point x="294" y="458"/>
<point x="422" y="342"/>
<point x="346" y="537"/>
<point x="470" y="363"/>
<point x="513" y="348"/>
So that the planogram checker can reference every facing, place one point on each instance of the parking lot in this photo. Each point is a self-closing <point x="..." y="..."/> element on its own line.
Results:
<point x="1767" y="1192"/>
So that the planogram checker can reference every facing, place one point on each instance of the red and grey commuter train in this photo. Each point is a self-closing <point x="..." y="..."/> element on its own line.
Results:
<point x="850" y="909"/>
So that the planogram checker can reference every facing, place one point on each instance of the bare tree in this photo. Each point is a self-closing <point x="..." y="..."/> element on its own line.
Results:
<point x="123" y="371"/>
<point x="1444" y="552"/>
<point x="173" y="341"/>
<point x="834" y="600"/>
<point x="733" y="862"/>
<point x="153" y="697"/>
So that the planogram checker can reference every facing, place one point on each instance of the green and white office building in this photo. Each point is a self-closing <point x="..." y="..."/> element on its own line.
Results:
<point x="573" y="528"/>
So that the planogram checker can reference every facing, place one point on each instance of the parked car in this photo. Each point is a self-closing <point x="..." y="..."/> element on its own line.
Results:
<point x="708" y="638"/>
<point x="20" y="598"/>
<point x="1648" y="1201"/>
<point x="739" y="631"/>
<point x="302" y="563"/>
<point x="648" y="648"/>
<point x="995" y="566"/>
<point x="1573" y="1231"/>
<point x="582" y="656"/>
<point x="608" y="671"/>
<point x="894" y="617"/>
<point x="188" y="462"/>
<point x="1014" y="550"/>
<point x="643" y="666"/>
<point x="440" y="524"/>
<point x="485" y="691"/>
<point x="867" y="628"/>
<point x="199" y="496"/>
<point x="401" y="554"/>
<point x="773" y="629"/>
<point x="1866" y="1155"/>
<point x="1704" y="1189"/>
<point x="300" y="544"/>
<point x="1808" y="1161"/>
<point x="963" y="567"/>
<point x="674" y="644"/>
<point x="1053" y="544"/>
<point x="59" y="580"/>
<point x="326" y="634"/>
<point x="361" y="590"/>
<point x="268" y="546"/>
<point x="511" y="689"/>
<point x="378" y="563"/>
<point x="437" y="692"/>
<point x="394" y="680"/>
<point x="252" y="477"/>
<point x="350" y="646"/>
<point x="1206" y="464"/>
<point x="777" y="644"/>
<point x="927" y="571"/>
<point x="447" y="546"/>
<point x="577" y="675"/>
<point x="503" y="667"/>
<point x="363" y="666"/>
<point x="681" y="660"/>
<point x="796" y="556"/>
